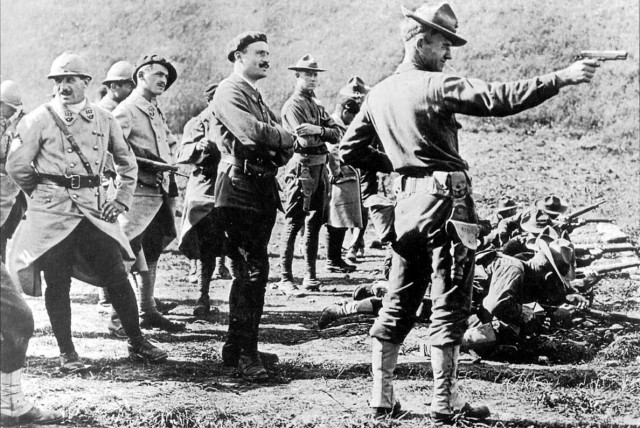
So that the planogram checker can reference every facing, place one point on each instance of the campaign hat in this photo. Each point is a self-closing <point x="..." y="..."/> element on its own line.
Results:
<point x="306" y="63"/>
<point x="438" y="16"/>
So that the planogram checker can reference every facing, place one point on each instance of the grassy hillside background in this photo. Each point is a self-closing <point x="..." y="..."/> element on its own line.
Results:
<point x="507" y="40"/>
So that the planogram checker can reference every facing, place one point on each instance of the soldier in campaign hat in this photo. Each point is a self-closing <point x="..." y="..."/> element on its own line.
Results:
<point x="71" y="227"/>
<point x="252" y="146"/>
<point x="306" y="182"/>
<point x="149" y="224"/>
<point x="412" y="113"/>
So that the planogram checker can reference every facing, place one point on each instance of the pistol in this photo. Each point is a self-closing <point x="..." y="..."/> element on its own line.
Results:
<point x="603" y="55"/>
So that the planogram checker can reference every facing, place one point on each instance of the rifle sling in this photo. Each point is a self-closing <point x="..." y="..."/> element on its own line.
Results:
<point x="72" y="141"/>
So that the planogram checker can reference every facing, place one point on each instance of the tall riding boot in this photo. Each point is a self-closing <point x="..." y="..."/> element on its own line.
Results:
<point x="447" y="401"/>
<point x="203" y="304"/>
<point x="287" y="246"/>
<point x="15" y="409"/>
<point x="384" y="357"/>
<point x="310" y="281"/>
<point x="150" y="317"/>
<point x="335" y="262"/>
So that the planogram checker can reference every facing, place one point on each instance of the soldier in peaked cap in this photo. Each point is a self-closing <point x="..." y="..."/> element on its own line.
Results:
<point x="306" y="181"/>
<point x="13" y="203"/>
<point x="413" y="112"/>
<point x="71" y="227"/>
<point x="252" y="146"/>
<point x="149" y="224"/>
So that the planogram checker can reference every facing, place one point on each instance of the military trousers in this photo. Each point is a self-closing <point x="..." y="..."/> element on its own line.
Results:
<point x="103" y="256"/>
<point x="248" y="233"/>
<point x="16" y="324"/>
<point x="422" y="260"/>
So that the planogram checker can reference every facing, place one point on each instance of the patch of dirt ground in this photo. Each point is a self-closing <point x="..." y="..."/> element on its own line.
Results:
<point x="585" y="376"/>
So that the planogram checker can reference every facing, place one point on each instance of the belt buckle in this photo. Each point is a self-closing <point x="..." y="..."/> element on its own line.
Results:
<point x="74" y="181"/>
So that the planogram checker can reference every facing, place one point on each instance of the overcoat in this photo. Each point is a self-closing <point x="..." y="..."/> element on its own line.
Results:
<point x="143" y="126"/>
<point x="54" y="211"/>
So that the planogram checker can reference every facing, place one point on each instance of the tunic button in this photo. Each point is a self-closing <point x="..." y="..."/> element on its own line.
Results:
<point x="72" y="164"/>
<point x="95" y="147"/>
<point x="97" y="162"/>
<point x="74" y="196"/>
<point x="69" y="150"/>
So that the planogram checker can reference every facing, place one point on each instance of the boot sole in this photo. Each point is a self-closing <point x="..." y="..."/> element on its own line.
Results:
<point x="141" y="358"/>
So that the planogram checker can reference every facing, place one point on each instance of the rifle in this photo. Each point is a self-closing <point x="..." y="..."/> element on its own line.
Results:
<point x="596" y="249"/>
<point x="603" y="55"/>
<point x="581" y="273"/>
<point x="581" y="211"/>
<point x="159" y="166"/>
<point x="598" y="314"/>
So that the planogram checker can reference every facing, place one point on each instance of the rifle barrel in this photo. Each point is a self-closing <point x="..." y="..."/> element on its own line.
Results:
<point x="585" y="210"/>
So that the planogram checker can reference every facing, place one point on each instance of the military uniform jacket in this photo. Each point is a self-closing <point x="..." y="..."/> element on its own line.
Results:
<point x="54" y="211"/>
<point x="302" y="107"/>
<point x="9" y="190"/>
<point x="199" y="200"/>
<point x="245" y="128"/>
<point x="143" y="126"/>
<point x="413" y="114"/>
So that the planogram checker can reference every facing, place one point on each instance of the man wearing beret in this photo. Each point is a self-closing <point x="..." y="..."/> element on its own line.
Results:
<point x="413" y="112"/>
<point x="71" y="227"/>
<point x="149" y="224"/>
<point x="252" y="145"/>
<point x="306" y="181"/>
<point x="200" y="239"/>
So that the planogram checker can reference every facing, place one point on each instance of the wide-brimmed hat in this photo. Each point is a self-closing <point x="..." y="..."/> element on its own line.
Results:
<point x="10" y="94"/>
<point x="560" y="253"/>
<point x="156" y="59"/>
<point x="355" y="88"/>
<point x="242" y="40"/>
<point x="535" y="220"/>
<point x="438" y="16"/>
<point x="506" y="204"/>
<point x="120" y="71"/>
<point x="306" y="63"/>
<point x="68" y="64"/>
<point x="552" y="204"/>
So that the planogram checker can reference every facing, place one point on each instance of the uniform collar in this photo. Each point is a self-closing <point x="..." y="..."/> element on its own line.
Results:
<point x="247" y="81"/>
<point x="68" y="113"/>
<point x="147" y="107"/>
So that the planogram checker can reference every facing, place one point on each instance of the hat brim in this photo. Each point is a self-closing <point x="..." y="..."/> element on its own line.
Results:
<point x="455" y="40"/>
<point x="294" y="68"/>
<point x="171" y="70"/>
<point x="541" y="207"/>
<point x="106" y="82"/>
<point x="501" y="210"/>
<point x="531" y="228"/>
<point x="544" y="247"/>
<point x="13" y="106"/>
<point x="51" y="76"/>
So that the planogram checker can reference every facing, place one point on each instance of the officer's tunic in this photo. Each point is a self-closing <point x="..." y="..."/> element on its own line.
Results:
<point x="143" y="126"/>
<point x="55" y="211"/>
<point x="413" y="112"/>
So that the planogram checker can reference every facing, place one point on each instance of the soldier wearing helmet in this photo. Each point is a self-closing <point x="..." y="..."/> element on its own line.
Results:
<point x="12" y="201"/>
<point x="119" y="84"/>
<point x="149" y="225"/>
<point x="71" y="229"/>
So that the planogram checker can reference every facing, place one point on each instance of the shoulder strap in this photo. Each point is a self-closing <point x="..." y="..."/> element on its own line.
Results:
<point x="71" y="140"/>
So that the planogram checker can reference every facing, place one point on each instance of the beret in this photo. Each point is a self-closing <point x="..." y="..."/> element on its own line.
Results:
<point x="243" y="40"/>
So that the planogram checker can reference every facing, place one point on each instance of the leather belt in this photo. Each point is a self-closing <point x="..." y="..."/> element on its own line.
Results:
<point x="251" y="169"/>
<point x="309" y="160"/>
<point x="315" y="150"/>
<point x="232" y="160"/>
<point x="71" y="181"/>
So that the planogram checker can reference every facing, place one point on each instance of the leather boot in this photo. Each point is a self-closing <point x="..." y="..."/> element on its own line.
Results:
<point x="447" y="404"/>
<point x="310" y="281"/>
<point x="287" y="245"/>
<point x="15" y="409"/>
<point x="384" y="357"/>
<point x="336" y="311"/>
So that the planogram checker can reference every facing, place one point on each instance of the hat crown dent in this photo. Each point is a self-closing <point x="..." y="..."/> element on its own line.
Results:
<point x="355" y="88"/>
<point x="306" y="63"/>
<point x="68" y="64"/>
<point x="10" y="93"/>
<point x="438" y="16"/>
